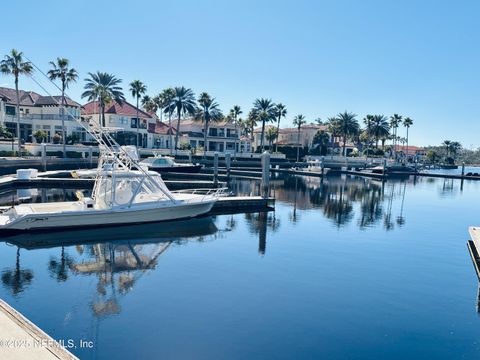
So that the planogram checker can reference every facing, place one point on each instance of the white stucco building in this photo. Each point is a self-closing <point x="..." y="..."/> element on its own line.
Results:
<point x="39" y="112"/>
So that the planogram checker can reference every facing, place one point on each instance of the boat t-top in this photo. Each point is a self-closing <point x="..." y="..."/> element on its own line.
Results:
<point x="124" y="193"/>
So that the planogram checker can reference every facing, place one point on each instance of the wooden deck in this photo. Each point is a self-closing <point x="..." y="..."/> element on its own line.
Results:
<point x="21" y="339"/>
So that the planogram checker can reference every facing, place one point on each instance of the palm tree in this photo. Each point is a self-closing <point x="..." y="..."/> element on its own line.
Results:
<point x="251" y="122"/>
<point x="103" y="87"/>
<point x="265" y="112"/>
<point x="137" y="88"/>
<point x="381" y="128"/>
<point x="447" y="144"/>
<point x="60" y="70"/>
<point x="164" y="101"/>
<point x="407" y="122"/>
<point x="183" y="102"/>
<point x="280" y="111"/>
<point x="271" y="135"/>
<point x="13" y="64"/>
<point x="209" y="111"/>
<point x="368" y="121"/>
<point x="149" y="104"/>
<point x="299" y="121"/>
<point x="235" y="112"/>
<point x="347" y="125"/>
<point x="395" y="121"/>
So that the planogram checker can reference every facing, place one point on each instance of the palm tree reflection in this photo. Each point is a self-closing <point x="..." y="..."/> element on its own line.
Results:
<point x="17" y="279"/>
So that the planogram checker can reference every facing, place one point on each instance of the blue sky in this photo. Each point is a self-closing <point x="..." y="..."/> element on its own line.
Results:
<point x="416" y="58"/>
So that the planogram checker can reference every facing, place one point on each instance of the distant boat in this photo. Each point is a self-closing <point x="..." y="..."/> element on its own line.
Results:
<point x="166" y="164"/>
<point x="396" y="168"/>
<point x="448" y="166"/>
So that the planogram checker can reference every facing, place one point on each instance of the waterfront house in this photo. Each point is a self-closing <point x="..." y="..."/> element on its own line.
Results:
<point x="121" y="120"/>
<point x="221" y="136"/>
<point x="39" y="112"/>
<point x="411" y="152"/>
<point x="289" y="136"/>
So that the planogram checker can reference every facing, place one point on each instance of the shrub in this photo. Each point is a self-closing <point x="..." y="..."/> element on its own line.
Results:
<point x="57" y="138"/>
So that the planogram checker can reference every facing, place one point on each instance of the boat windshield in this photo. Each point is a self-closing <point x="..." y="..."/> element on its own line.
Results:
<point x="128" y="188"/>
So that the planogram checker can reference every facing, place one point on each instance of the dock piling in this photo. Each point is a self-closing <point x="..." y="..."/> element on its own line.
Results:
<point x="44" y="157"/>
<point x="215" y="168"/>
<point x="463" y="168"/>
<point x="265" y="157"/>
<point x="90" y="156"/>
<point x="227" y="163"/>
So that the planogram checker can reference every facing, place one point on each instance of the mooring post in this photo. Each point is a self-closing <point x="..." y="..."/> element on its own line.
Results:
<point x="384" y="165"/>
<point x="265" y="157"/>
<point x="215" y="168"/>
<point x="44" y="156"/>
<point x="227" y="163"/>
<point x="189" y="158"/>
<point x="322" y="163"/>
<point x="463" y="169"/>
<point x="90" y="156"/>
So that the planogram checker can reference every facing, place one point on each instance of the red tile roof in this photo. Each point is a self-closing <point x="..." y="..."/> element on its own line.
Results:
<point x="126" y="109"/>
<point x="161" y="128"/>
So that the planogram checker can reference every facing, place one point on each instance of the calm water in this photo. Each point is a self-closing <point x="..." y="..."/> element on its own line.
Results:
<point x="343" y="269"/>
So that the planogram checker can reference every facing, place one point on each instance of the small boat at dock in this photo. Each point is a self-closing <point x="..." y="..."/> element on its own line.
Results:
<point x="167" y="164"/>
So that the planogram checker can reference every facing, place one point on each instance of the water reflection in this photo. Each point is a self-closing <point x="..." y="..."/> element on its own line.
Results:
<point x="343" y="199"/>
<point x="259" y="223"/>
<point x="117" y="257"/>
<point x="15" y="279"/>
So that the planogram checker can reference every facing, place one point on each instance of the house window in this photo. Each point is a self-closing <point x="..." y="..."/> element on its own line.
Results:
<point x="213" y="132"/>
<point x="133" y="123"/>
<point x="10" y="110"/>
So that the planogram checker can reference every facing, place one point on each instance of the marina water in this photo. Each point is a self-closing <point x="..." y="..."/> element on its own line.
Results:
<point x="343" y="268"/>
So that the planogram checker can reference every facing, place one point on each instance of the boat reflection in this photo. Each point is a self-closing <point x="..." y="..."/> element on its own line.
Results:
<point x="142" y="233"/>
<point x="118" y="257"/>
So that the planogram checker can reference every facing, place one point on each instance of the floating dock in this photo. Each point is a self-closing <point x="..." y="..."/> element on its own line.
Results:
<point x="21" y="339"/>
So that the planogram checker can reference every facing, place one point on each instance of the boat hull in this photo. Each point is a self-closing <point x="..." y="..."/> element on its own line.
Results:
<point x="95" y="218"/>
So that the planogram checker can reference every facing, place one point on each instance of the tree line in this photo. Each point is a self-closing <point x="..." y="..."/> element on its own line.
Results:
<point x="180" y="102"/>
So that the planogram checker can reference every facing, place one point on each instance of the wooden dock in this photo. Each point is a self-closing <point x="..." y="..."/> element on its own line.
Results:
<point x="242" y="204"/>
<point x="21" y="339"/>
<point x="11" y="182"/>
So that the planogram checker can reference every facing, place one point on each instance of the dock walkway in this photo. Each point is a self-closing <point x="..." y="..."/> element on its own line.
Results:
<point x="21" y="339"/>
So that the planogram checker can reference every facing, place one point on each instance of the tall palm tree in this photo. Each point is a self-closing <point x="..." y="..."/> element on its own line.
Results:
<point x="299" y="121"/>
<point x="103" y="87"/>
<point x="235" y="112"/>
<point x="395" y="121"/>
<point x="60" y="70"/>
<point x="368" y="121"/>
<point x="183" y="102"/>
<point x="13" y="64"/>
<point x="164" y="101"/>
<point x="407" y="122"/>
<point x="251" y="122"/>
<point x="381" y="128"/>
<point x="137" y="88"/>
<point x="348" y="126"/>
<point x="265" y="112"/>
<point x="209" y="111"/>
<point x="280" y="111"/>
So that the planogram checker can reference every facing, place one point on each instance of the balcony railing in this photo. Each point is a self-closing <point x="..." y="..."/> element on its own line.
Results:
<point x="39" y="117"/>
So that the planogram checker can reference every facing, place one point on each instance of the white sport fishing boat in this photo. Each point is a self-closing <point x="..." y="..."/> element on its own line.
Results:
<point x="121" y="195"/>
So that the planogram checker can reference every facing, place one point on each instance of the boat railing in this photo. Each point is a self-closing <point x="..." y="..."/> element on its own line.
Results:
<point x="219" y="192"/>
